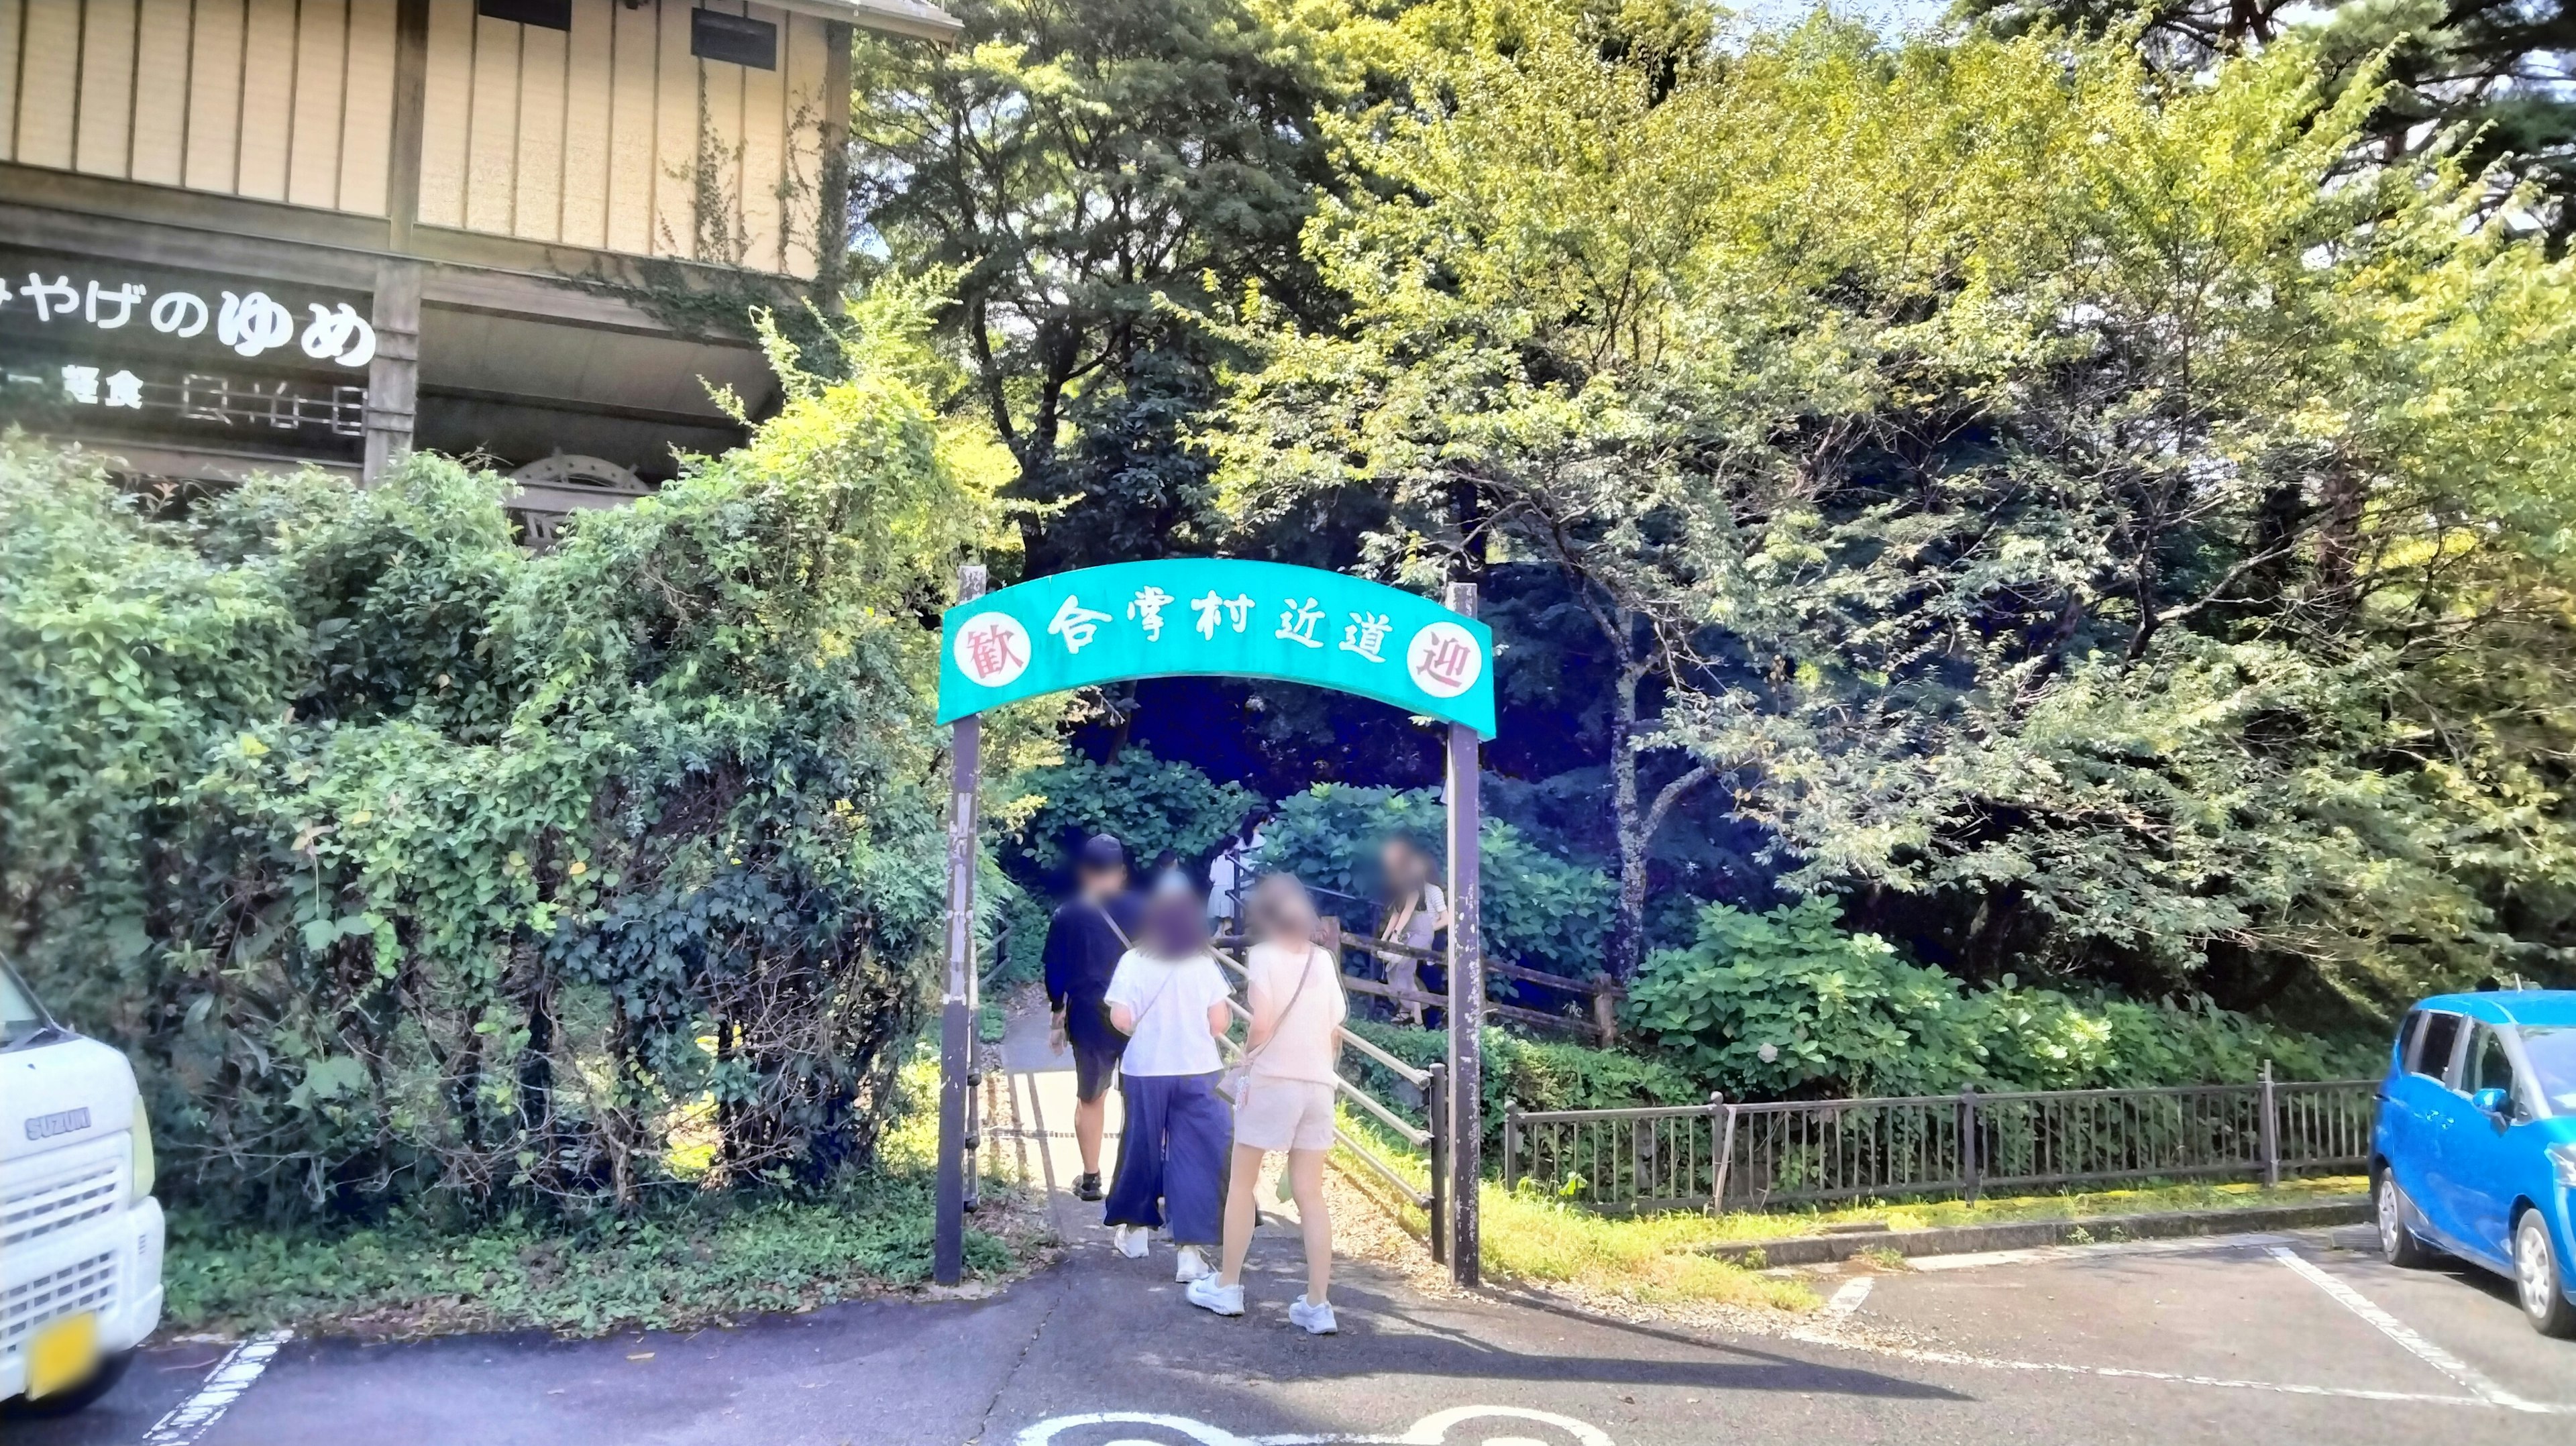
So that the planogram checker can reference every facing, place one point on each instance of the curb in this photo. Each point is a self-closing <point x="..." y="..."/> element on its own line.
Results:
<point x="2031" y="1234"/>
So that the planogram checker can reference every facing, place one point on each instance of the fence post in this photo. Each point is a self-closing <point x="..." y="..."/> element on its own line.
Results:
<point x="1605" y="1011"/>
<point x="1465" y="778"/>
<point x="1511" y="1147"/>
<point x="1721" y="1130"/>
<point x="956" y="1023"/>
<point x="1435" y="1097"/>
<point x="1968" y="1163"/>
<point x="2271" y="1132"/>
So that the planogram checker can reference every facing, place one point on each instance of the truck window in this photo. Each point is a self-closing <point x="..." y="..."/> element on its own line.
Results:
<point x="20" y="1017"/>
<point x="2434" y="1044"/>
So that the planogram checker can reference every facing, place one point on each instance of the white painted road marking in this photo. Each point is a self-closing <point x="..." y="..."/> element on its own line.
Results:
<point x="224" y="1384"/>
<point x="2478" y="1382"/>
<point x="2182" y="1245"/>
<point x="1847" y="1300"/>
<point x="1431" y="1430"/>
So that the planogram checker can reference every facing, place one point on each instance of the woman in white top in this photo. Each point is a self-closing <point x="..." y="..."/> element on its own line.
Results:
<point x="1169" y="1000"/>
<point x="1286" y="1098"/>
<point x="1416" y="912"/>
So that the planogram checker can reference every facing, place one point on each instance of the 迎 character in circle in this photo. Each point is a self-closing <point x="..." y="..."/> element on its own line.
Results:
<point x="1444" y="659"/>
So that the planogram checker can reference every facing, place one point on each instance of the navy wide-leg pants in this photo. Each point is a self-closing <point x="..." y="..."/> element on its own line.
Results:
<point x="1173" y="1151"/>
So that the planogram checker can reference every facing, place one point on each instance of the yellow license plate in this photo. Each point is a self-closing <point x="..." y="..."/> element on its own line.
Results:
<point x="62" y="1354"/>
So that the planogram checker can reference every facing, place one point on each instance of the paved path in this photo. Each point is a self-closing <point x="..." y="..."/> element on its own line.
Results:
<point x="2267" y="1339"/>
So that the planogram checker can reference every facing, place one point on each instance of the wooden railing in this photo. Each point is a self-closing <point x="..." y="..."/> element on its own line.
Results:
<point x="1598" y="1023"/>
<point x="1432" y="1082"/>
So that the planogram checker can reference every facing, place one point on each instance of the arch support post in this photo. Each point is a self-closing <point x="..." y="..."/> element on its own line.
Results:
<point x="1466" y="1072"/>
<point x="956" y="1005"/>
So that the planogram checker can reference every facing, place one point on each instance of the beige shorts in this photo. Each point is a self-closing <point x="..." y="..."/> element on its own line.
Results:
<point x="1284" y="1114"/>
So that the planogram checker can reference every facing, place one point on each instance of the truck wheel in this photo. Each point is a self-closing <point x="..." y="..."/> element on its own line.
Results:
<point x="111" y="1369"/>
<point x="2538" y="1281"/>
<point x="2398" y="1245"/>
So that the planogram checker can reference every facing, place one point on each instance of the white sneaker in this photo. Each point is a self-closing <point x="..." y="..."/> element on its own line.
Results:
<point x="1132" y="1241"/>
<point x="1316" y="1320"/>
<point x="1206" y="1294"/>
<point x="1193" y="1265"/>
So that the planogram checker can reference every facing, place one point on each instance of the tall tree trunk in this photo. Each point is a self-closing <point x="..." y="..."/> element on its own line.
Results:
<point x="1628" y="930"/>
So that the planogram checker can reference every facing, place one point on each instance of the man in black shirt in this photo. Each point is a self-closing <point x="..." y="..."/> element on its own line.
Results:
<point x="1083" y="943"/>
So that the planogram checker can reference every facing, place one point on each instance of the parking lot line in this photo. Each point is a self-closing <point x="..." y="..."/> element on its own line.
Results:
<point x="2477" y="1382"/>
<point x="1979" y="1260"/>
<point x="1848" y="1299"/>
<point x="224" y="1384"/>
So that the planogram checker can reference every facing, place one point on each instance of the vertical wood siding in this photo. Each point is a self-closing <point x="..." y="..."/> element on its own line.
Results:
<point x="609" y="136"/>
<point x="285" y="100"/>
<point x="612" y="135"/>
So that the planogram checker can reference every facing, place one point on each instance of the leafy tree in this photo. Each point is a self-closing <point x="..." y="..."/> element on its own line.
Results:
<point x="2051" y="489"/>
<point x="1535" y="208"/>
<point x="1089" y="174"/>
<point x="2493" y="77"/>
<point x="410" y="865"/>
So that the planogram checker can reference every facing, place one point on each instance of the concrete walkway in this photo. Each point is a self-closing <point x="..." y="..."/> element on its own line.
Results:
<point x="1029" y="1136"/>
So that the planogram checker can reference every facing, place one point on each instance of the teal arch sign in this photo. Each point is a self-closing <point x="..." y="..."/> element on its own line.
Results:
<point x="1216" y="616"/>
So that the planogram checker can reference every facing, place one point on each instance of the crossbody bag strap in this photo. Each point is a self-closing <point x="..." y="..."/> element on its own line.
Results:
<point x="1245" y="1064"/>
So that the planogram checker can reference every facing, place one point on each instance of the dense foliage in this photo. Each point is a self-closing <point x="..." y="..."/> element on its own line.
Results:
<point x="1539" y="908"/>
<point x="1528" y="1074"/>
<point x="1785" y="1004"/>
<point x="2097" y="522"/>
<point x="409" y="864"/>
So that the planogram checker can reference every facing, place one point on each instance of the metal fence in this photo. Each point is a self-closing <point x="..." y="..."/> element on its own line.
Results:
<point x="1730" y="1156"/>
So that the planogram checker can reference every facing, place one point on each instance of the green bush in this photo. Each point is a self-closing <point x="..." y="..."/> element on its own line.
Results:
<point x="1539" y="910"/>
<point x="412" y="866"/>
<point x="1523" y="1073"/>
<point x="1150" y="804"/>
<point x="1787" y="1004"/>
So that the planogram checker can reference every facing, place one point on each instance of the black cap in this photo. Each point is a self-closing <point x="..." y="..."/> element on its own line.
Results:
<point x="1103" y="851"/>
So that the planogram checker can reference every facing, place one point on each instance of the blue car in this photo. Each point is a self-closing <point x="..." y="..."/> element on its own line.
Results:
<point x="2474" y="1150"/>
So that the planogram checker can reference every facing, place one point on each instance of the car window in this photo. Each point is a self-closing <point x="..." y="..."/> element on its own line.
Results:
<point x="2551" y="1052"/>
<point x="2434" y="1043"/>
<point x="2406" y="1034"/>
<point x="2489" y="1067"/>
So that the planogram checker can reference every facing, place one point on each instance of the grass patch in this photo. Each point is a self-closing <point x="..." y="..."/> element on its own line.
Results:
<point x="1532" y="1240"/>
<point x="2065" y="1205"/>
<point x="1655" y="1260"/>
<point x="691" y="1258"/>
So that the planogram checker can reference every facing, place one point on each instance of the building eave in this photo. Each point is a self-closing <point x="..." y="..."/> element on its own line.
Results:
<point x="893" y="17"/>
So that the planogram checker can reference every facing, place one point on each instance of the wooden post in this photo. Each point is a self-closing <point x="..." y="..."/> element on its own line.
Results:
<point x="956" y="1023"/>
<point x="1466" y="984"/>
<point x="410" y="122"/>
<point x="2271" y="1132"/>
<point x="1511" y="1147"/>
<point x="1436" y="1109"/>
<point x="393" y="377"/>
<point x="1968" y="1144"/>
<point x="1605" y="1010"/>
<point x="1721" y="1129"/>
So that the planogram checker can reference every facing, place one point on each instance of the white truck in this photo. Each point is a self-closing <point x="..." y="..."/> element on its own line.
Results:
<point x="80" y="1234"/>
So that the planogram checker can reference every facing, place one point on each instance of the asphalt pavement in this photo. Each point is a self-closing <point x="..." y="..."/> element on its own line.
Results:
<point x="2296" y="1338"/>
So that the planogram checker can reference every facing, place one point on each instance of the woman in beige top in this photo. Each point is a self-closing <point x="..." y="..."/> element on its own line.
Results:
<point x="1286" y="1100"/>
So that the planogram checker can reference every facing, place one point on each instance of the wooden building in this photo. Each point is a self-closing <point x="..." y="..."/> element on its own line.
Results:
<point x="241" y="234"/>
